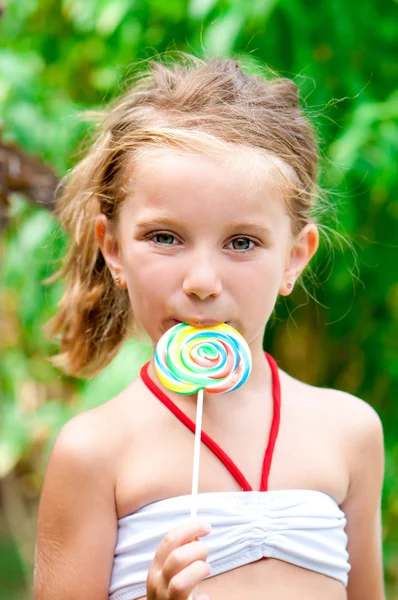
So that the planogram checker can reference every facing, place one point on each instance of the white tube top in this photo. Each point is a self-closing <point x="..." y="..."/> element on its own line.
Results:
<point x="302" y="527"/>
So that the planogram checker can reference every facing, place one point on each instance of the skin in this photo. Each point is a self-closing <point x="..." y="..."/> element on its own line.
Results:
<point x="207" y="239"/>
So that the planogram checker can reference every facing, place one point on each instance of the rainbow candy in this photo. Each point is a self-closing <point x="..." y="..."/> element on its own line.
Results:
<point x="216" y="359"/>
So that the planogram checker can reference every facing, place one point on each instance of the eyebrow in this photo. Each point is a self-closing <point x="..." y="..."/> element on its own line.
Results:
<point x="238" y="226"/>
<point x="253" y="227"/>
<point x="158" y="222"/>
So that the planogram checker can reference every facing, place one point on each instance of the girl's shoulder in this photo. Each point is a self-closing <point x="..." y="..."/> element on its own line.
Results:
<point x="354" y="421"/>
<point x="347" y="409"/>
<point x="97" y="434"/>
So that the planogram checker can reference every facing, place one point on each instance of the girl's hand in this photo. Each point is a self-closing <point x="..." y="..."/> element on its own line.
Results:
<point x="179" y="564"/>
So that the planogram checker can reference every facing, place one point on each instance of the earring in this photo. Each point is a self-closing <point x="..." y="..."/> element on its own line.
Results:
<point x="289" y="285"/>
<point x="117" y="280"/>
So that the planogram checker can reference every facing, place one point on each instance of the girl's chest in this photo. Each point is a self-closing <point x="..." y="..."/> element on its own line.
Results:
<point x="157" y="463"/>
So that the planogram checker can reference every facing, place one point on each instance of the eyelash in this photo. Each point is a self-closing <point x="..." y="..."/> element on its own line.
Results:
<point x="152" y="237"/>
<point x="244" y="237"/>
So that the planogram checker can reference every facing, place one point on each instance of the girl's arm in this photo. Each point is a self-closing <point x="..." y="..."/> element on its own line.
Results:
<point x="362" y="504"/>
<point x="77" y="521"/>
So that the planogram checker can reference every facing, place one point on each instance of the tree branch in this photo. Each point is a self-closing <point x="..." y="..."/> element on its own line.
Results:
<point x="26" y="174"/>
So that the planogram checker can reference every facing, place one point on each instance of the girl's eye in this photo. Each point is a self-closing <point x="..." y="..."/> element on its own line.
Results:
<point x="241" y="243"/>
<point x="167" y="239"/>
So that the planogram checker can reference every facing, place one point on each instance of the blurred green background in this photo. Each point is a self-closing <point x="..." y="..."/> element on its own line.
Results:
<point x="60" y="57"/>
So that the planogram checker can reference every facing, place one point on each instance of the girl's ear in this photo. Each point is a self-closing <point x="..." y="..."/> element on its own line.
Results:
<point x="109" y="246"/>
<point x="301" y="252"/>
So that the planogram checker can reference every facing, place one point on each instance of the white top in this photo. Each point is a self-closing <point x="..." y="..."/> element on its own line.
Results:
<point x="301" y="527"/>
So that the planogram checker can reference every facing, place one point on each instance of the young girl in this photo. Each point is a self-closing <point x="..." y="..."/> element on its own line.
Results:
<point x="194" y="205"/>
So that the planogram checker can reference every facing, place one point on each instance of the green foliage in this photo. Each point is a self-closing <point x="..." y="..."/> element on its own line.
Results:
<point x="58" y="58"/>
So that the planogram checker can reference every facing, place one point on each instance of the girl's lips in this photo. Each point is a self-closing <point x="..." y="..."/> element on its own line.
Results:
<point x="199" y="322"/>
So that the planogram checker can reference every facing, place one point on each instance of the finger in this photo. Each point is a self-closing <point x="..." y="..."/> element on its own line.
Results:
<point x="183" y="556"/>
<point x="183" y="534"/>
<point x="182" y="584"/>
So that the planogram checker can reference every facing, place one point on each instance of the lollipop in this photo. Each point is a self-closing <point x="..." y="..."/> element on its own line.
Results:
<point x="189" y="360"/>
<point x="216" y="359"/>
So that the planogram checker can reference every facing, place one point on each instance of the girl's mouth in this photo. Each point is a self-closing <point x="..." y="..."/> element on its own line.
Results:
<point x="199" y="323"/>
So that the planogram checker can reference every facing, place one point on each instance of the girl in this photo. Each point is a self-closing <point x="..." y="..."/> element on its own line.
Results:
<point x="194" y="205"/>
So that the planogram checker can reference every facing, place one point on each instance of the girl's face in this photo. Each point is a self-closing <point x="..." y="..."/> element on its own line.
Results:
<point x="205" y="240"/>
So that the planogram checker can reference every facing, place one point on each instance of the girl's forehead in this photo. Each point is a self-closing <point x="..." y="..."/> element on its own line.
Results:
<point x="240" y="177"/>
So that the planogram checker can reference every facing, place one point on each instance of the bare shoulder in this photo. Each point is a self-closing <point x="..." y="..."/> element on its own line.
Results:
<point x="81" y="443"/>
<point x="95" y="434"/>
<point x="82" y="433"/>
<point x="363" y="430"/>
<point x="357" y="417"/>
<point x="351" y="413"/>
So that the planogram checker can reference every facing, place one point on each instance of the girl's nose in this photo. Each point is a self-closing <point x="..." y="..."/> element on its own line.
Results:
<point x="202" y="279"/>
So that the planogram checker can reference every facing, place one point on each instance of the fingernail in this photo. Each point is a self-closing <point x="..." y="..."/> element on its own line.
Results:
<point x="207" y="527"/>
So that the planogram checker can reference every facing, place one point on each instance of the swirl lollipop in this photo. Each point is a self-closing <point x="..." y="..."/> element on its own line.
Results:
<point x="216" y="359"/>
<point x="189" y="360"/>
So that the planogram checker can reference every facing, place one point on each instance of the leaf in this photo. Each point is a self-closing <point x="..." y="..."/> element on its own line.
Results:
<point x="103" y="78"/>
<point x="13" y="438"/>
<point x="111" y="15"/>
<point x="81" y="13"/>
<point x="20" y="69"/>
<point x="221" y="35"/>
<point x="199" y="9"/>
<point x="121" y="371"/>
<point x="261" y="9"/>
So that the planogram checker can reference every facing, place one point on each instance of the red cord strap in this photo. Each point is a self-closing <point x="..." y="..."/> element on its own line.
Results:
<point x="211" y="444"/>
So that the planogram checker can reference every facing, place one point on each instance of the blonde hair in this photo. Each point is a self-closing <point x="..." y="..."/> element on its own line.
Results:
<point x="181" y="104"/>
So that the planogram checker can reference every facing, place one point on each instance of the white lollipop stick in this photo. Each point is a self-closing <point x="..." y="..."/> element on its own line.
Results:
<point x="196" y="462"/>
<point x="196" y="455"/>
